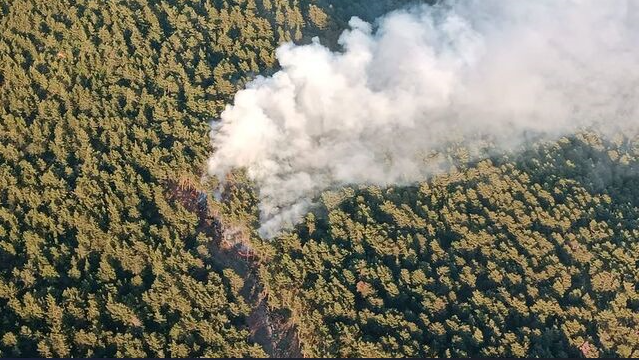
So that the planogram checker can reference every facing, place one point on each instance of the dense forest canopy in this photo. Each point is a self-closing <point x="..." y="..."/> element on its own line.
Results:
<point x="112" y="246"/>
<point x="104" y="106"/>
<point x="505" y="257"/>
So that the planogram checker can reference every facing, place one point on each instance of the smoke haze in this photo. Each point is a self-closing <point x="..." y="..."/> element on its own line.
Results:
<point x="372" y="112"/>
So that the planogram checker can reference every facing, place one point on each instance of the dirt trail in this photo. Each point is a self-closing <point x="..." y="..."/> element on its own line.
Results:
<point x="267" y="329"/>
<point x="231" y="248"/>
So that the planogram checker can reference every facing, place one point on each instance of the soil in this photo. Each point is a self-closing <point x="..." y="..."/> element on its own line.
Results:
<point x="230" y="248"/>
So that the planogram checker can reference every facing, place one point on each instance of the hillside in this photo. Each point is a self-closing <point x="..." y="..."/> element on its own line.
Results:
<point x="534" y="256"/>
<point x="114" y="244"/>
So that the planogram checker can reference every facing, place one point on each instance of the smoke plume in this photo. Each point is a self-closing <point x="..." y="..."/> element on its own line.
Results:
<point x="371" y="112"/>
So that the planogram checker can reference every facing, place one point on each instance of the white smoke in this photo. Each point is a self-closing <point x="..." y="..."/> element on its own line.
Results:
<point x="370" y="113"/>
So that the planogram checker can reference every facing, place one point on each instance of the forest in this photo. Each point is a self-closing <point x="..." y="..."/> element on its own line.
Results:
<point x="113" y="245"/>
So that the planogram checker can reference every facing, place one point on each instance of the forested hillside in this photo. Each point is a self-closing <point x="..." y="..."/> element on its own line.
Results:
<point x="104" y="107"/>
<point x="111" y="245"/>
<point x="533" y="256"/>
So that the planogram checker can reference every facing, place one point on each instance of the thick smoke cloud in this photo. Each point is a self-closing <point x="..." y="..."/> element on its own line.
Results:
<point x="371" y="112"/>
